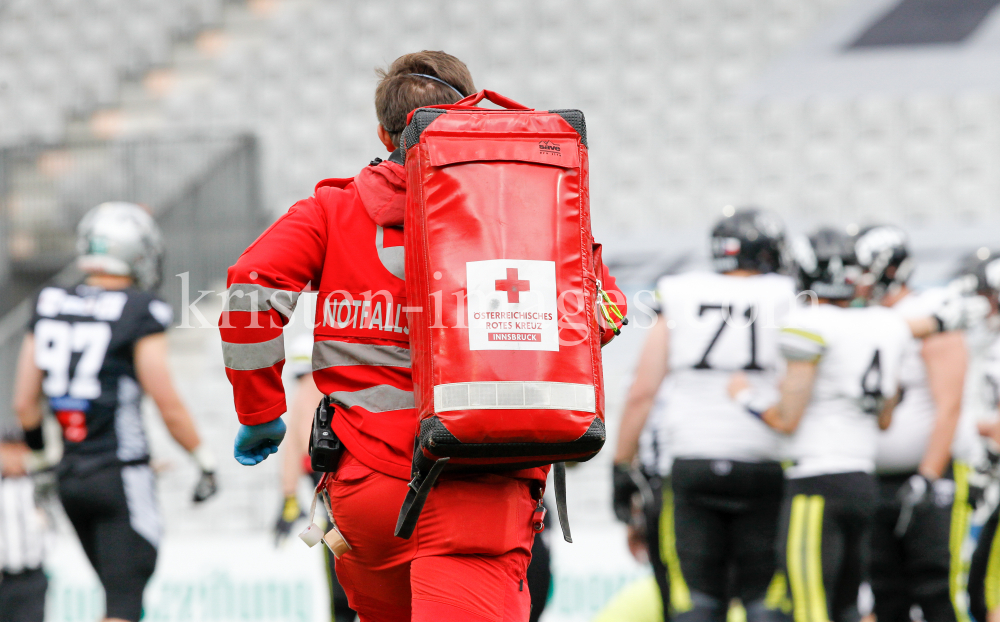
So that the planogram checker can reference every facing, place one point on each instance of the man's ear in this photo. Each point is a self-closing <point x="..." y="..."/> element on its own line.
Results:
<point x="383" y="135"/>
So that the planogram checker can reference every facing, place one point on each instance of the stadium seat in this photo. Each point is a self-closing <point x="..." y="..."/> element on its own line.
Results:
<point x="74" y="55"/>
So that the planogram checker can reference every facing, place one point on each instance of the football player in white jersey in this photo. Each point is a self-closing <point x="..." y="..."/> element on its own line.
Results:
<point x="838" y="391"/>
<point x="983" y="399"/>
<point x="726" y="477"/>
<point x="921" y="463"/>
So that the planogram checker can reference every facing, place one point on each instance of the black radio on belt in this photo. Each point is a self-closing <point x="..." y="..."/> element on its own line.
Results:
<point x="324" y="446"/>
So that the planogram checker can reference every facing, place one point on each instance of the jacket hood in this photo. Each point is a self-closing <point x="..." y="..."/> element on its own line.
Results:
<point x="382" y="190"/>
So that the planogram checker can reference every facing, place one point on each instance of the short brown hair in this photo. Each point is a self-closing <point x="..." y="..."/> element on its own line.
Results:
<point x="399" y="91"/>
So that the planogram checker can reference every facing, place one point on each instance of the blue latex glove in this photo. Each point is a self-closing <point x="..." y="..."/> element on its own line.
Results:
<point x="254" y="443"/>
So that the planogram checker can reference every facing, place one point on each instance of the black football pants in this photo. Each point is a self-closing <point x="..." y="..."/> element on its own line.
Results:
<point x="923" y="566"/>
<point x="725" y="522"/>
<point x="825" y="524"/>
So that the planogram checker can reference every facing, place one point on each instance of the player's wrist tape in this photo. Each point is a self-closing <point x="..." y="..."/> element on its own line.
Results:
<point x="752" y="403"/>
<point x="940" y="323"/>
<point x="204" y="457"/>
<point x="34" y="439"/>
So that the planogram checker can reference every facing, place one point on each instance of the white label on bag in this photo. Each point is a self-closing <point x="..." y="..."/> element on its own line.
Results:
<point x="512" y="305"/>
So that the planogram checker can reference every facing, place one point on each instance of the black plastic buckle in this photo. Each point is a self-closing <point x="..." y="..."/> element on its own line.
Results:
<point x="324" y="446"/>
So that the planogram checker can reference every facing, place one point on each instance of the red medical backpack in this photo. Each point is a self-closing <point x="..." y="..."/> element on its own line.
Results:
<point x="503" y="284"/>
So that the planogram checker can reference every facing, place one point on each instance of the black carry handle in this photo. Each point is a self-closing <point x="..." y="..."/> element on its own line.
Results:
<point x="416" y="496"/>
<point x="324" y="446"/>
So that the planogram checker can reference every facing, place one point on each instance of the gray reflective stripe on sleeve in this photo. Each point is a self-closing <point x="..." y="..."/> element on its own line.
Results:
<point x="377" y="399"/>
<point x="342" y="354"/>
<point x="515" y="396"/>
<point x="248" y="356"/>
<point x="242" y="296"/>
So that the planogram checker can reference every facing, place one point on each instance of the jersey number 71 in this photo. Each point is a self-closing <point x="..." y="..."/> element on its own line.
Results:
<point x="726" y="311"/>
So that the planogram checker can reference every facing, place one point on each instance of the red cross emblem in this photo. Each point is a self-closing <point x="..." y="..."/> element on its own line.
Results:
<point x="512" y="286"/>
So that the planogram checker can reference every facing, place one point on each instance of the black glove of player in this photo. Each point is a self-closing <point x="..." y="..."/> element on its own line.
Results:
<point x="624" y="487"/>
<point x="290" y="513"/>
<point x="206" y="487"/>
<point x="911" y="494"/>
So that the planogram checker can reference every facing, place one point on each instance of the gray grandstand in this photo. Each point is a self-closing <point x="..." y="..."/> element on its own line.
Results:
<point x="825" y="110"/>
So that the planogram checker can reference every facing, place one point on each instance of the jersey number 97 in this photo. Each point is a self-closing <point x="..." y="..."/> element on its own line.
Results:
<point x="55" y="344"/>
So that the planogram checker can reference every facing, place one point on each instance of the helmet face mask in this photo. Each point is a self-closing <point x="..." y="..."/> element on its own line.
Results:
<point x="121" y="239"/>
<point x="826" y="264"/>
<point x="883" y="254"/>
<point x="750" y="239"/>
<point x="979" y="274"/>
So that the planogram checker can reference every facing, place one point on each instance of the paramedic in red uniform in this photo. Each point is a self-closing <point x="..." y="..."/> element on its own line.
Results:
<point x="468" y="555"/>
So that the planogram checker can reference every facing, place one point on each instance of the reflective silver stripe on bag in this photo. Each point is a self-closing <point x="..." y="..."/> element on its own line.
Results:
<point x="243" y="296"/>
<point x="378" y="399"/>
<point x="249" y="356"/>
<point x="342" y="354"/>
<point x="515" y="396"/>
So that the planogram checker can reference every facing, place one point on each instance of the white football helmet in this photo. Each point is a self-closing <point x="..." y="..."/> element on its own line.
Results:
<point x="880" y="248"/>
<point x="122" y="239"/>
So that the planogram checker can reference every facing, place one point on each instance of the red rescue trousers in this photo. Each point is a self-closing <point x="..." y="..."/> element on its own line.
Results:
<point x="466" y="560"/>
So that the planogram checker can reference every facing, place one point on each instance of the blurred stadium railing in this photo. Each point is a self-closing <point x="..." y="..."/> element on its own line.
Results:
<point x="204" y="193"/>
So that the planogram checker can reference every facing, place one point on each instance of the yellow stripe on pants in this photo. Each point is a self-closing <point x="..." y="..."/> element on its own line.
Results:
<point x="680" y="595"/>
<point x="805" y="558"/>
<point x="992" y="582"/>
<point x="796" y="576"/>
<point x="777" y="593"/>
<point x="960" y="512"/>
<point x="814" y="559"/>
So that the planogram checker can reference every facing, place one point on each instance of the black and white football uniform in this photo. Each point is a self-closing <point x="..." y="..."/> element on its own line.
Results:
<point x="85" y="339"/>
<point x="831" y="493"/>
<point x="923" y="565"/>
<point x="726" y="479"/>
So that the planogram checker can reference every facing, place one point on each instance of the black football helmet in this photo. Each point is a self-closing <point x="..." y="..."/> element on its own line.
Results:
<point x="749" y="239"/>
<point x="826" y="264"/>
<point x="883" y="253"/>
<point x="980" y="272"/>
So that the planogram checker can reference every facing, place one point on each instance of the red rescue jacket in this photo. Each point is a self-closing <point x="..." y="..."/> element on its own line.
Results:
<point x="346" y="243"/>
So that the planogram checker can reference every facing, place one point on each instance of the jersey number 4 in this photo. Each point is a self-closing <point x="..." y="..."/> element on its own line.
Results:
<point x="871" y="387"/>
<point x="55" y="344"/>
<point x="726" y="311"/>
